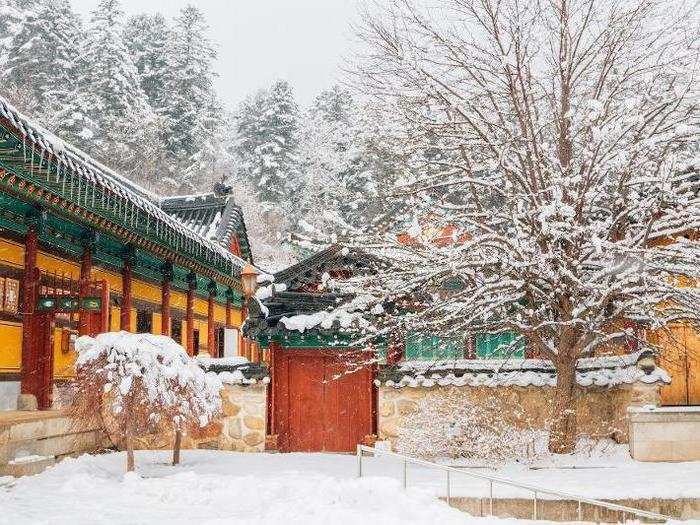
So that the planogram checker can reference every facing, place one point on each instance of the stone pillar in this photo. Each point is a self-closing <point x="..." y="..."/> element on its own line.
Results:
<point x="189" y="313"/>
<point x="125" y="313"/>
<point x="30" y="358"/>
<point x="165" y="298"/>
<point x="211" y="338"/>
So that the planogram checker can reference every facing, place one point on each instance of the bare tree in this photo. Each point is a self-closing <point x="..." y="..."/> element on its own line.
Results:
<point x="556" y="141"/>
<point x="134" y="384"/>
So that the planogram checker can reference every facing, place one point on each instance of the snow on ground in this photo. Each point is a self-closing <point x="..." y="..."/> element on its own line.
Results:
<point x="213" y="487"/>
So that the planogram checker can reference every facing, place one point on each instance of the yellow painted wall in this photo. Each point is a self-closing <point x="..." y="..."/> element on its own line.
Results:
<point x="145" y="291"/>
<point x="10" y="346"/>
<point x="12" y="253"/>
<point x="156" y="324"/>
<point x="51" y="264"/>
<point x="115" y="319"/>
<point x="113" y="279"/>
<point x="63" y="362"/>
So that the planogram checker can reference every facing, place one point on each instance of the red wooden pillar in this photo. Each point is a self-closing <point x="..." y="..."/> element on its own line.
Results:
<point x="165" y="299"/>
<point x="125" y="314"/>
<point x="84" y="289"/>
<point x="189" y="313"/>
<point x="211" y="338"/>
<point x="30" y="348"/>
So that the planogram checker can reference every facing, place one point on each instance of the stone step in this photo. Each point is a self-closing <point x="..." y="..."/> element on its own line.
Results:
<point x="27" y="466"/>
<point x="54" y="446"/>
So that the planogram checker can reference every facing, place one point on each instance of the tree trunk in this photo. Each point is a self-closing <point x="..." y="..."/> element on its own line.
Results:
<point x="562" y="433"/>
<point x="129" y="453"/>
<point x="176" y="447"/>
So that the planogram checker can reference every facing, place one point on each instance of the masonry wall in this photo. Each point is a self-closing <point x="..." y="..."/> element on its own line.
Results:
<point x="240" y="427"/>
<point x="601" y="411"/>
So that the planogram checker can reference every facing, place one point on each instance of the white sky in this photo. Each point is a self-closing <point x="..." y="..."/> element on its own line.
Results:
<point x="302" y="41"/>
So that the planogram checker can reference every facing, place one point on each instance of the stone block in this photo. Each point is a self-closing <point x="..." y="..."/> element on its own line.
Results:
<point x="27" y="402"/>
<point x="28" y="430"/>
<point x="254" y="423"/>
<point x="253" y="438"/>
<point x="230" y="409"/>
<point x="406" y="407"/>
<point x="254" y="409"/>
<point x="389" y="428"/>
<point x="386" y="409"/>
<point x="233" y="428"/>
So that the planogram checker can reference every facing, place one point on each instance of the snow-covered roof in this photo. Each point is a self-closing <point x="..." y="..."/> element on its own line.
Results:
<point x="236" y="370"/>
<point x="214" y="215"/>
<point x="595" y="371"/>
<point x="48" y="146"/>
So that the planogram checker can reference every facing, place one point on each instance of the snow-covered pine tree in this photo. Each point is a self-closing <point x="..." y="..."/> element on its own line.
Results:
<point x="43" y="53"/>
<point x="267" y="143"/>
<point x="347" y="157"/>
<point x="569" y="183"/>
<point x="194" y="114"/>
<point x="148" y="37"/>
<point x="126" y="130"/>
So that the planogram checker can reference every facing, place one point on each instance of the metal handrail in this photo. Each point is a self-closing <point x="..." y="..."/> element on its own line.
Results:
<point x="505" y="481"/>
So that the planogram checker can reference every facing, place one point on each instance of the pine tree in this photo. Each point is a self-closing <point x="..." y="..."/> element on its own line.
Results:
<point x="267" y="146"/>
<point x="125" y="131"/>
<point x="194" y="114"/>
<point x="43" y="52"/>
<point x="147" y="38"/>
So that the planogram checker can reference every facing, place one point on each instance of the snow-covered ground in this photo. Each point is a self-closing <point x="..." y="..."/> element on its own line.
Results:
<point x="213" y="487"/>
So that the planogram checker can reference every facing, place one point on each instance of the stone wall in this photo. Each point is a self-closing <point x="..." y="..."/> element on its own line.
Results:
<point x="665" y="434"/>
<point x="244" y="418"/>
<point x="240" y="427"/>
<point x="601" y="411"/>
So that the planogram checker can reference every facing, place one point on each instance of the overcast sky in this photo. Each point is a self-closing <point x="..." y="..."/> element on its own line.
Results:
<point x="302" y="41"/>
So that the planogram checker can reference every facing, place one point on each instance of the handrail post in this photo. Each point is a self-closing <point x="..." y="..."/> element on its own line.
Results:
<point x="448" y="487"/>
<point x="405" y="474"/>
<point x="534" y="505"/>
<point x="359" y="461"/>
<point x="580" y="514"/>
<point x="490" y="498"/>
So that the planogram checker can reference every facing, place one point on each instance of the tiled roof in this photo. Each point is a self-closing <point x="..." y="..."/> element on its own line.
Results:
<point x="215" y="216"/>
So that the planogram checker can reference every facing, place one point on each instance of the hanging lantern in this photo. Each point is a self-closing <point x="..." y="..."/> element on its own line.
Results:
<point x="249" y="280"/>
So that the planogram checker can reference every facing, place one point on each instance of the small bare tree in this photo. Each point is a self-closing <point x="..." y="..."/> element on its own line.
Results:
<point x="558" y="143"/>
<point x="138" y="383"/>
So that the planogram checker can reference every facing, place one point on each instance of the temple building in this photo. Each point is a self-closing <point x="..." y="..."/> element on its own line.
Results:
<point x="84" y="250"/>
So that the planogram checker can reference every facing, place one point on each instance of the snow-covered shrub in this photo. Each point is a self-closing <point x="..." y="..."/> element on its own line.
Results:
<point x="140" y="382"/>
<point x="455" y="426"/>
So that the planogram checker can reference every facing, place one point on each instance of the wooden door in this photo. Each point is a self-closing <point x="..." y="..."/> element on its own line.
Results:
<point x="680" y="357"/>
<point x="323" y="402"/>
<point x="307" y="424"/>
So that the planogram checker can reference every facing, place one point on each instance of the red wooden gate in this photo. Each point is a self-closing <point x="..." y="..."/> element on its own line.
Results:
<point x="322" y="400"/>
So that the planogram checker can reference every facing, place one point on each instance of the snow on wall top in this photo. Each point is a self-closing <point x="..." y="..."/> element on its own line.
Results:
<point x="94" y="172"/>
<point x="595" y="371"/>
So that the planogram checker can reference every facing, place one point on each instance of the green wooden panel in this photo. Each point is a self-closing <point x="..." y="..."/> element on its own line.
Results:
<point x="431" y="347"/>
<point x="496" y="346"/>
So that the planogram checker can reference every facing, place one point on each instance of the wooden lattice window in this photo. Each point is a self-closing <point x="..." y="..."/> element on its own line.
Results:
<point x="426" y="347"/>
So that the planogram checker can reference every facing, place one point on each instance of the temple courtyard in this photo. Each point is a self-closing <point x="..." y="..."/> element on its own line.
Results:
<point x="212" y="487"/>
